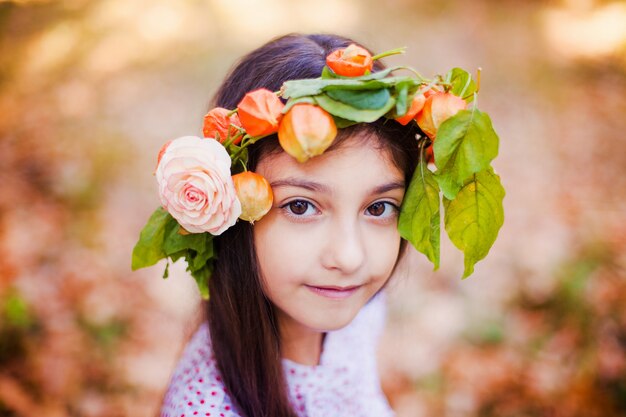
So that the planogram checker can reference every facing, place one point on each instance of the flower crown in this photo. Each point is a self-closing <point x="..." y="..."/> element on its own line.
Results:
<point x="201" y="197"/>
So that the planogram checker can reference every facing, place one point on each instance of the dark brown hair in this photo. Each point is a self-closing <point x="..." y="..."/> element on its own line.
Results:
<point x="242" y="321"/>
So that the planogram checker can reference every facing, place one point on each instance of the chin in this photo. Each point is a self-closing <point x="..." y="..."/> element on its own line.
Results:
<point x="332" y="321"/>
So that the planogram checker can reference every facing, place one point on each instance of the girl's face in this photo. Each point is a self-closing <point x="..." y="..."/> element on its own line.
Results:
<point x="330" y="241"/>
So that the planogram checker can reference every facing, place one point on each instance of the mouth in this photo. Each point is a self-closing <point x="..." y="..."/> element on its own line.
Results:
<point x="334" y="292"/>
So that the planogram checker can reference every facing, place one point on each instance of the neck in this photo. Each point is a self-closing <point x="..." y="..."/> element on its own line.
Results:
<point x="299" y="343"/>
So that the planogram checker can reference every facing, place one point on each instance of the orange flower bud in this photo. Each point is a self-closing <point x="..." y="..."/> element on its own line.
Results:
<point x="260" y="112"/>
<point x="437" y="108"/>
<point x="416" y="106"/>
<point x="254" y="194"/>
<point x="217" y="122"/>
<point x="306" y="130"/>
<point x="352" y="61"/>
<point x="429" y="91"/>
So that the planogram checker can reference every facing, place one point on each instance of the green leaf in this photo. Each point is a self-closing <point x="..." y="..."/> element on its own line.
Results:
<point x="419" y="221"/>
<point x="300" y="88"/>
<point x="162" y="238"/>
<point x="327" y="73"/>
<point x="196" y="247"/>
<point x="361" y="99"/>
<point x="375" y="75"/>
<point x="342" y="123"/>
<point x="402" y="92"/>
<point x="462" y="83"/>
<point x="175" y="240"/>
<point x="475" y="216"/>
<point x="292" y="102"/>
<point x="199" y="259"/>
<point x="345" y="111"/>
<point x="202" y="277"/>
<point x="374" y="84"/>
<point x="314" y="87"/>
<point x="149" y="248"/>
<point x="466" y="143"/>
<point x="177" y="255"/>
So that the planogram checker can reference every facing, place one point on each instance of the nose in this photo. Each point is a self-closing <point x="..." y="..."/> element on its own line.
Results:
<point x="344" y="250"/>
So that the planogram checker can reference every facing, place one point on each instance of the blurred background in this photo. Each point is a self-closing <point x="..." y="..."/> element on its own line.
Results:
<point x="91" y="89"/>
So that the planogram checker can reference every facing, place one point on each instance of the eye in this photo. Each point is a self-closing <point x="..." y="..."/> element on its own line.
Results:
<point x="299" y="208"/>
<point x="382" y="209"/>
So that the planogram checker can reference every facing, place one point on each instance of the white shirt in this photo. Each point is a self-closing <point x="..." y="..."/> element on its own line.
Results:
<point x="345" y="383"/>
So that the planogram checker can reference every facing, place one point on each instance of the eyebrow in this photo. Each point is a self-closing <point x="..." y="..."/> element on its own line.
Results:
<point x="394" y="185"/>
<point x="317" y="187"/>
<point x="307" y="185"/>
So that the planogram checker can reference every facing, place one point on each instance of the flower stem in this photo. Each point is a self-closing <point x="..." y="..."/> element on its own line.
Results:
<point x="389" y="53"/>
<point x="419" y="76"/>
<point x="245" y="142"/>
<point x="422" y="143"/>
<point x="231" y="138"/>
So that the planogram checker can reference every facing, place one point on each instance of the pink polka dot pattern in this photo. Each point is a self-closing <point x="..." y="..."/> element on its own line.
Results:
<point x="344" y="384"/>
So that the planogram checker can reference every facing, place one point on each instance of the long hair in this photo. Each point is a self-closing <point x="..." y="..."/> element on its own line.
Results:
<point x="242" y="321"/>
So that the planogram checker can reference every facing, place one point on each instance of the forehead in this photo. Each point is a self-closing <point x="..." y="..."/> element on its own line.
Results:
<point x="357" y="158"/>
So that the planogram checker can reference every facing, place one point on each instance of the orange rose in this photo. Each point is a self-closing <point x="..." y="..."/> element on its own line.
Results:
<point x="437" y="108"/>
<point x="260" y="112"/>
<point x="306" y="130"/>
<point x="217" y="122"/>
<point x="352" y="61"/>
<point x="254" y="194"/>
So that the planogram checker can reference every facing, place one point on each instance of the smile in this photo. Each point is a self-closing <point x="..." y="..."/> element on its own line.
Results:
<point x="337" y="293"/>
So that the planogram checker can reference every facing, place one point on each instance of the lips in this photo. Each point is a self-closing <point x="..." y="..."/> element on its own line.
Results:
<point x="333" y="291"/>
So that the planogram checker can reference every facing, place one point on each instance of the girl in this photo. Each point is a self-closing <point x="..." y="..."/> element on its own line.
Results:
<point x="296" y="303"/>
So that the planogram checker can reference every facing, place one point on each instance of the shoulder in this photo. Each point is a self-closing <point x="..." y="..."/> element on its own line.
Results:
<point x="196" y="387"/>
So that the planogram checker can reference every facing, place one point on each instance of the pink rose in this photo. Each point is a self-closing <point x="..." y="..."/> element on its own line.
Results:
<point x="195" y="185"/>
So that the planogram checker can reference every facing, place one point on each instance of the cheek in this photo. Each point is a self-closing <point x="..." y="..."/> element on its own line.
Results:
<point x="278" y="256"/>
<point x="383" y="250"/>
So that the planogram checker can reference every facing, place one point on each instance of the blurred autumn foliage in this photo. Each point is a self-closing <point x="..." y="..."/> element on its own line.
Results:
<point x="90" y="90"/>
<point x="558" y="354"/>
